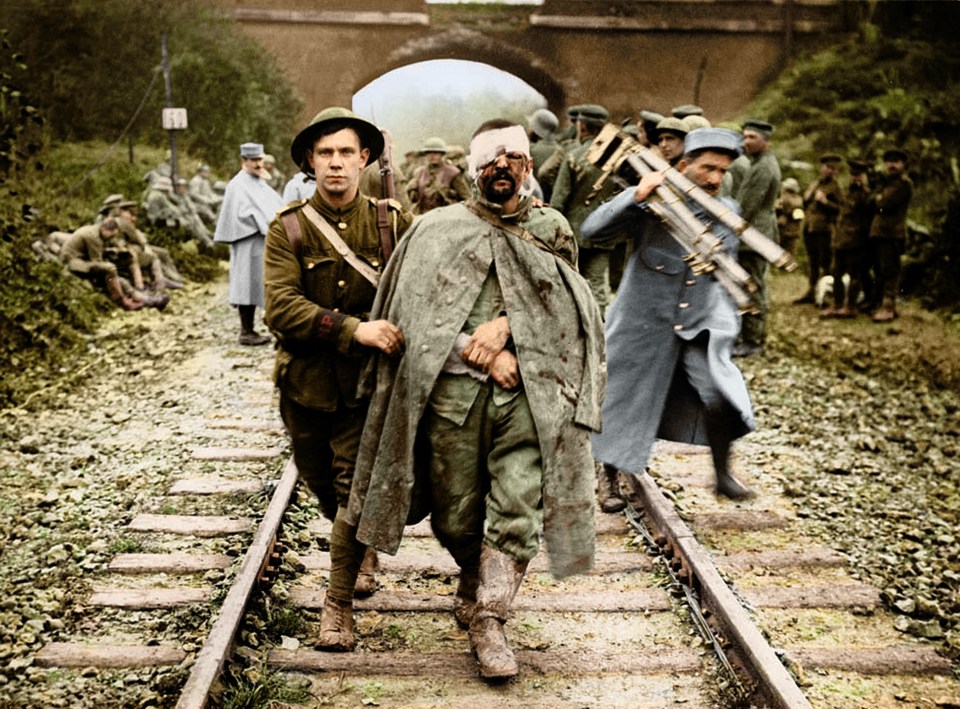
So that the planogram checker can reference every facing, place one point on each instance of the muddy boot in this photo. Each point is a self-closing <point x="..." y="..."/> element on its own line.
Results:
<point x="336" y="627"/>
<point x="366" y="584"/>
<point x="155" y="300"/>
<point x="115" y="290"/>
<point x="465" y="600"/>
<point x="608" y="489"/>
<point x="500" y="577"/>
<point x="886" y="312"/>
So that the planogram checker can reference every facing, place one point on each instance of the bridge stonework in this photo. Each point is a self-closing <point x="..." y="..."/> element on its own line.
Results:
<point x="624" y="54"/>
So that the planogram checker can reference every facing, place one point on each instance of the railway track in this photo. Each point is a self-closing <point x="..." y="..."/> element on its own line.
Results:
<point x="196" y="603"/>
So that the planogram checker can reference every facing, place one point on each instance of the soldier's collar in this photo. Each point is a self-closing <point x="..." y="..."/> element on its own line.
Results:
<point x="338" y="213"/>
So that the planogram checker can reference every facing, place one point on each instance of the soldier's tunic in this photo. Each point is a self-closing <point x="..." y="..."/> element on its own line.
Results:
<point x="160" y="208"/>
<point x="437" y="286"/>
<point x="888" y="231"/>
<point x="435" y="186"/>
<point x="670" y="336"/>
<point x="541" y="150"/>
<point x="819" y="222"/>
<point x="851" y="244"/>
<point x="87" y="254"/>
<point x="757" y="192"/>
<point x="790" y="220"/>
<point x="249" y="205"/>
<point x="573" y="196"/>
<point x="314" y="302"/>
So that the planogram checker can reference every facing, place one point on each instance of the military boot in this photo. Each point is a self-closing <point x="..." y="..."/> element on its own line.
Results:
<point x="886" y="312"/>
<point x="115" y="290"/>
<point x="731" y="488"/>
<point x="336" y="626"/>
<point x="248" y="335"/>
<point x="366" y="584"/>
<point x="465" y="600"/>
<point x="608" y="489"/>
<point x="155" y="300"/>
<point x="500" y="577"/>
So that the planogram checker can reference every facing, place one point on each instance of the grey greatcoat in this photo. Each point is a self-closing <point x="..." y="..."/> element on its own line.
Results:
<point x="660" y="308"/>
<point x="428" y="289"/>
<point x="249" y="204"/>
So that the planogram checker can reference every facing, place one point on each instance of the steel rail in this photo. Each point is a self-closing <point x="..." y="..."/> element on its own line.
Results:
<point x="774" y="681"/>
<point x="210" y="660"/>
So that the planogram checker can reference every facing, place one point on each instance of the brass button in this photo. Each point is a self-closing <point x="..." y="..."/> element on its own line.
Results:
<point x="375" y="263"/>
<point x="691" y="281"/>
<point x="310" y="265"/>
<point x="678" y="327"/>
<point x="342" y="284"/>
<point x="342" y="225"/>
<point x="438" y="322"/>
<point x="424" y="348"/>
<point x="472" y="256"/>
<point x="683" y="306"/>
<point x="659" y="267"/>
<point x="336" y="310"/>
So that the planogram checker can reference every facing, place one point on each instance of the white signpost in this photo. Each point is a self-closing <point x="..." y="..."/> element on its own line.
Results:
<point x="174" y="119"/>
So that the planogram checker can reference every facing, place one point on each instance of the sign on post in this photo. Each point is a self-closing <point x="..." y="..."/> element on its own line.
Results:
<point x="174" y="118"/>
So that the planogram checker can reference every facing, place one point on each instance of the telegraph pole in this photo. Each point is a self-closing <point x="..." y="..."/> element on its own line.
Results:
<point x="174" y="119"/>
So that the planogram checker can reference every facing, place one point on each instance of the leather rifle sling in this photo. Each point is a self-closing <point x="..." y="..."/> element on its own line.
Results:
<point x="292" y="226"/>
<point x="385" y="229"/>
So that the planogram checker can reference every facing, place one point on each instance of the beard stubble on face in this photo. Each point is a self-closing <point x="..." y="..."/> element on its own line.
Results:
<point x="499" y="195"/>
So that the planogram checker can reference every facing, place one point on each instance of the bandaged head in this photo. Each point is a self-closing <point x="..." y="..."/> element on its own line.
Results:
<point x="489" y="145"/>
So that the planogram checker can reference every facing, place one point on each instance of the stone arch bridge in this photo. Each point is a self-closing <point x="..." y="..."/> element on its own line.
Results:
<point x="624" y="54"/>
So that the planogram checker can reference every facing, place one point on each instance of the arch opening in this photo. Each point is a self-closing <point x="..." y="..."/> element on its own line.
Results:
<point x="445" y="98"/>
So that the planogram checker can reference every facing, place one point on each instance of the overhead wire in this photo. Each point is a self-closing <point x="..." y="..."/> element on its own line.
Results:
<point x="146" y="94"/>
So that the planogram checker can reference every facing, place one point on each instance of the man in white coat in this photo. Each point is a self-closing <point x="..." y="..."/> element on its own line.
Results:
<point x="249" y="205"/>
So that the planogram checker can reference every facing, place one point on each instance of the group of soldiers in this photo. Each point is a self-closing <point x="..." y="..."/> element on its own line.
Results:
<point x="854" y="234"/>
<point x="116" y="256"/>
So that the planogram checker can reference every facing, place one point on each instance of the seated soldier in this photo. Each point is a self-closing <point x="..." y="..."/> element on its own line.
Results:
<point x="93" y="251"/>
<point x="155" y="267"/>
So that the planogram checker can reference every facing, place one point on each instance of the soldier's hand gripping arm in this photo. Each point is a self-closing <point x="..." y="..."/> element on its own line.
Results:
<point x="382" y="334"/>
<point x="486" y="343"/>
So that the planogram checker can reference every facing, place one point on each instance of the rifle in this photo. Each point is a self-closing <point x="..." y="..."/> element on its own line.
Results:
<point x="388" y="191"/>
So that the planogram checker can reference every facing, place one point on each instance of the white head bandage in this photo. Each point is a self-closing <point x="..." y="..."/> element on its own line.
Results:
<point x="486" y="147"/>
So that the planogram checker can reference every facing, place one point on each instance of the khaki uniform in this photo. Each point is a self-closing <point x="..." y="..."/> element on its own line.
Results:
<point x="819" y="221"/>
<point x="432" y="187"/>
<point x="314" y="302"/>
<point x="790" y="220"/>
<point x="573" y="195"/>
<point x="89" y="256"/>
<point x="888" y="232"/>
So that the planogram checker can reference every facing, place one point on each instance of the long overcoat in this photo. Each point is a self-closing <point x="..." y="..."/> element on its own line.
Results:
<point x="661" y="306"/>
<point x="249" y="204"/>
<point x="428" y="289"/>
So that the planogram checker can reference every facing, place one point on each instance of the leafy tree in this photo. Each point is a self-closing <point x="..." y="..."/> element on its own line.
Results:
<point x="93" y="61"/>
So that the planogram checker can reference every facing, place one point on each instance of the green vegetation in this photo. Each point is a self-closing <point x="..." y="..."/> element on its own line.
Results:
<point x="895" y="84"/>
<point x="90" y="63"/>
<point x="80" y="100"/>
